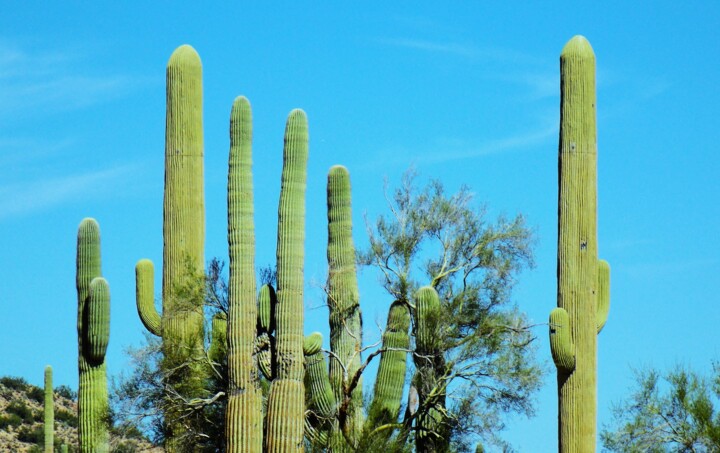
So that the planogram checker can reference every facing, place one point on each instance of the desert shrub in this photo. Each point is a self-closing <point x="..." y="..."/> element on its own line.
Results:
<point x="66" y="392"/>
<point x="36" y="394"/>
<point x="14" y="383"/>
<point x="21" y="410"/>
<point x="31" y="435"/>
<point x="66" y="417"/>
<point x="10" y="420"/>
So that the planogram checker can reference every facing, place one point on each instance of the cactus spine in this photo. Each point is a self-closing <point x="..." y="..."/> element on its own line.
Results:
<point x="181" y="323"/>
<point x="93" y="328"/>
<point x="49" y="412"/>
<point x="344" y="305"/>
<point x="244" y="411"/>
<point x="583" y="281"/>
<point x="286" y="403"/>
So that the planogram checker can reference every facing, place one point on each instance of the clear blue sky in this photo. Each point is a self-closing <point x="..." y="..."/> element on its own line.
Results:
<point x="467" y="93"/>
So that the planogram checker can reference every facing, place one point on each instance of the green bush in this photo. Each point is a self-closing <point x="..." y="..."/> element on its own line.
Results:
<point x="31" y="435"/>
<point x="10" y="420"/>
<point x="36" y="394"/>
<point x="21" y="410"/>
<point x="66" y="392"/>
<point x="66" y="417"/>
<point x="14" y="383"/>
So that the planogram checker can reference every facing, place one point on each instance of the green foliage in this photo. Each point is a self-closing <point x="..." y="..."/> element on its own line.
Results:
<point x="22" y="410"/>
<point x="675" y="411"/>
<point x="66" y="392"/>
<point x="472" y="262"/>
<point x="66" y="417"/>
<point x="35" y="393"/>
<point x="10" y="420"/>
<point x="14" y="383"/>
<point x="31" y="434"/>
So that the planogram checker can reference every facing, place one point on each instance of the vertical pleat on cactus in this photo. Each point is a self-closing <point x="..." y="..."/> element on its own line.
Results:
<point x="320" y="400"/>
<point x="286" y="404"/>
<point x="583" y="280"/>
<point x="343" y="303"/>
<point x="93" y="334"/>
<point x="244" y="412"/>
<point x="49" y="411"/>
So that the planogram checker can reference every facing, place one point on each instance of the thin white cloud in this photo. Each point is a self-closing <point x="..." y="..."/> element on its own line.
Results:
<point x="465" y="50"/>
<point x="41" y="82"/>
<point x="32" y="196"/>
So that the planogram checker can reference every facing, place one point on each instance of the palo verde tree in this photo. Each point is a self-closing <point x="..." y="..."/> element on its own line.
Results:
<point x="481" y="346"/>
<point x="675" y="411"/>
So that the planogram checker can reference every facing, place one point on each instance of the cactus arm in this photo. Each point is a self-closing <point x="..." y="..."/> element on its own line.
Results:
<point x="390" y="379"/>
<point x="320" y="400"/>
<point x="286" y="403"/>
<point x="264" y="350"/>
<point x="98" y="320"/>
<point x="144" y="297"/>
<point x="561" y="344"/>
<point x="343" y="302"/>
<point x="603" y="294"/>
<point x="49" y="411"/>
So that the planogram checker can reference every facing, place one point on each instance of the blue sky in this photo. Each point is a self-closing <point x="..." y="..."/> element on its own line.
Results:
<point x="467" y="93"/>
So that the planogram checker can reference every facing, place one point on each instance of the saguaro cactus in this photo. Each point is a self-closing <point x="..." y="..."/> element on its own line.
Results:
<point x="93" y="328"/>
<point x="244" y="414"/>
<point x="49" y="412"/>
<point x="181" y="323"/>
<point x="344" y="304"/>
<point x="390" y="380"/>
<point x="320" y="399"/>
<point x="286" y="403"/>
<point x="583" y="281"/>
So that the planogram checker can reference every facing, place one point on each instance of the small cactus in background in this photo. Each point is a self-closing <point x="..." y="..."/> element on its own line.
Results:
<point x="49" y="412"/>
<point x="93" y="329"/>
<point x="286" y="403"/>
<point x="583" y="280"/>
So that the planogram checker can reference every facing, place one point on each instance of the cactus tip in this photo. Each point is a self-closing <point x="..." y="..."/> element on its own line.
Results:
<point x="184" y="55"/>
<point x="578" y="46"/>
<point x="313" y="343"/>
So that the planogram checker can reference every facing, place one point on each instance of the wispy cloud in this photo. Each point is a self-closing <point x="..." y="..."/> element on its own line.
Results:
<point x="33" y="81"/>
<point x="465" y="50"/>
<point x="32" y="196"/>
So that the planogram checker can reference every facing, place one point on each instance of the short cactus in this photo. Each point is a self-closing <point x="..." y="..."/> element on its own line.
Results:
<point x="583" y="281"/>
<point x="49" y="412"/>
<point x="93" y="333"/>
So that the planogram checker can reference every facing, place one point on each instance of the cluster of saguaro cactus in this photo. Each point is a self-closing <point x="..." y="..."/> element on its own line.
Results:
<point x="181" y="322"/>
<point x="583" y="280"/>
<point x="93" y="327"/>
<point x="49" y="411"/>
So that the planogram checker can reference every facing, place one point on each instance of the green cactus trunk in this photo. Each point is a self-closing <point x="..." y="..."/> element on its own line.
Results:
<point x="49" y="412"/>
<point x="181" y="323"/>
<point x="244" y="412"/>
<point x="93" y="333"/>
<point x="432" y="433"/>
<point x="344" y="306"/>
<point x="390" y="380"/>
<point x="286" y="404"/>
<point x="320" y="402"/>
<point x="583" y="281"/>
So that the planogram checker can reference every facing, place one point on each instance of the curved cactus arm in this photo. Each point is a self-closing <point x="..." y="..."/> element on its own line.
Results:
<point x="98" y="320"/>
<point x="144" y="296"/>
<point x="49" y="412"/>
<point x="561" y="344"/>
<point x="603" y="294"/>
<point x="390" y="380"/>
<point x="320" y="402"/>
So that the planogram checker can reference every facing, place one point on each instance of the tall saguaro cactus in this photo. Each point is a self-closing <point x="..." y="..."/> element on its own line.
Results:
<point x="344" y="304"/>
<point x="244" y="413"/>
<point x="49" y="412"/>
<point x="93" y="329"/>
<point x="181" y="322"/>
<point x="583" y="280"/>
<point x="286" y="403"/>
